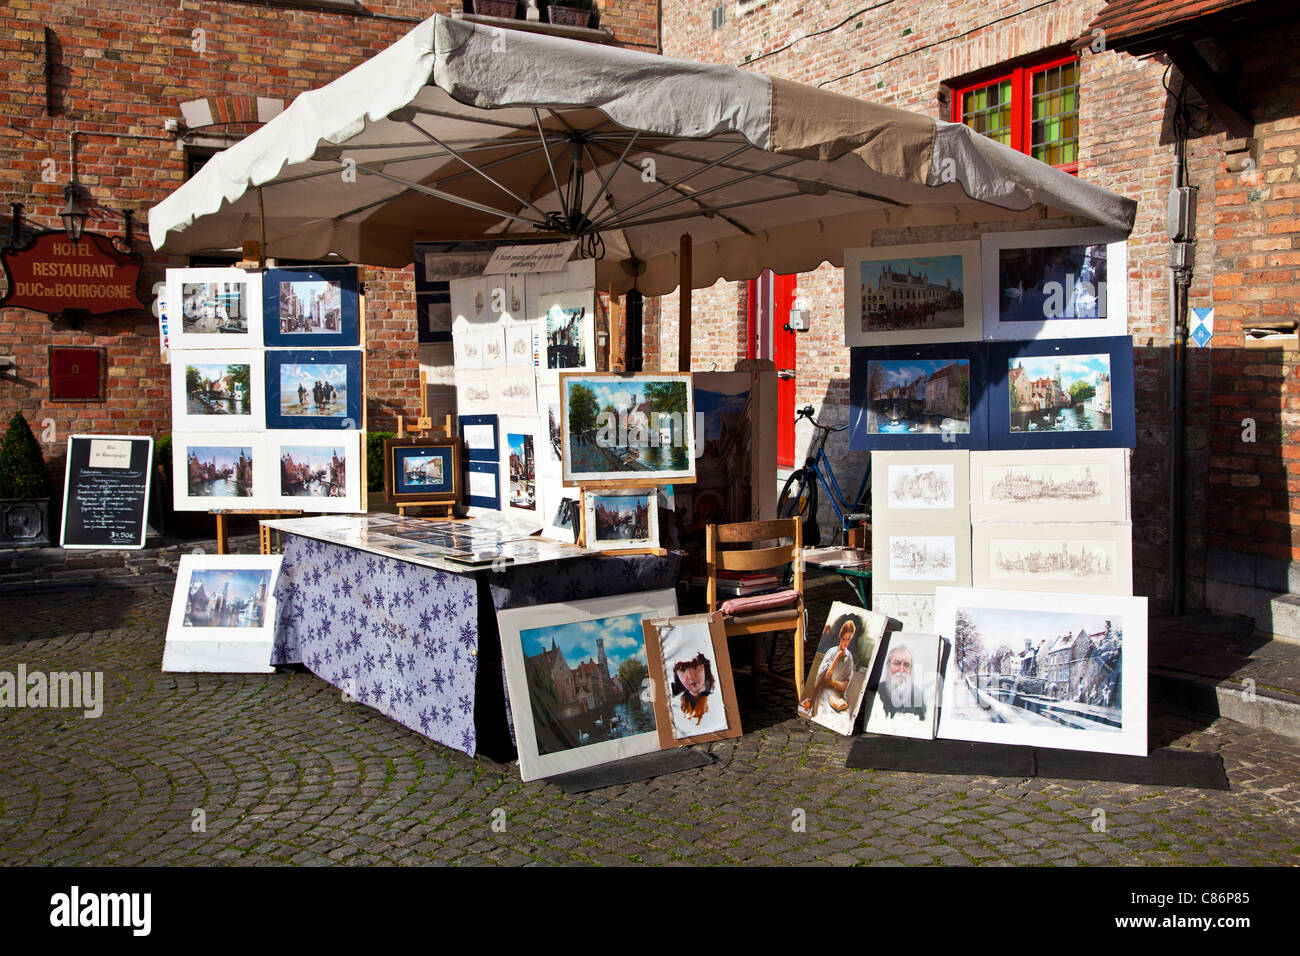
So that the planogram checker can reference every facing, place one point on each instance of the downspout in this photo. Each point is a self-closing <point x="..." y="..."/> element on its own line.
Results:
<point x="1182" y="234"/>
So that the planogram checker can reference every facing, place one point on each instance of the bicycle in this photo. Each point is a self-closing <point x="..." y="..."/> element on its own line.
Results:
<point x="803" y="502"/>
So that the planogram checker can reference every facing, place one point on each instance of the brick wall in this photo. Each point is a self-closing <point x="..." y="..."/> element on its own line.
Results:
<point x="902" y="54"/>
<point x="120" y="71"/>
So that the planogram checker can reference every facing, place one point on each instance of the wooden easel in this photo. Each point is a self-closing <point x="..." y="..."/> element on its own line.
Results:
<point x="419" y="428"/>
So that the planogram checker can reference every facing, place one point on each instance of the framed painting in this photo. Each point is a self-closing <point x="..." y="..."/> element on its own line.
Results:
<point x="837" y="677"/>
<point x="519" y="488"/>
<point x="620" y="519"/>
<point x="311" y="308"/>
<point x="315" y="472"/>
<point x="482" y="485"/>
<point x="579" y="680"/>
<point x="218" y="391"/>
<point x="308" y="389"/>
<point x="920" y="486"/>
<point x="434" y="322"/>
<point x="1079" y="558"/>
<point x="223" y="614"/>
<point x="568" y="331"/>
<point x="212" y="472"/>
<point x="1068" y="393"/>
<point x="900" y="295"/>
<point x="214" y="309"/>
<point x="422" y="469"/>
<point x="1054" y="284"/>
<point x="903" y="695"/>
<point x="479" y="435"/>
<point x="627" y="428"/>
<point x="690" y="670"/>
<point x="910" y="557"/>
<point x="918" y="397"/>
<point x="1064" y="484"/>
<point x="1044" y="669"/>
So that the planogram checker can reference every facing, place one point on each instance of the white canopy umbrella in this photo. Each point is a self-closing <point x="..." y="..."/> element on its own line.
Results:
<point x="462" y="132"/>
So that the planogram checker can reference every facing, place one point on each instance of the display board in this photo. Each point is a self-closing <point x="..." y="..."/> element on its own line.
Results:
<point x="106" y="491"/>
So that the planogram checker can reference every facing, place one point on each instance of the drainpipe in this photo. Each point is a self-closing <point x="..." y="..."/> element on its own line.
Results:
<point x="1182" y="246"/>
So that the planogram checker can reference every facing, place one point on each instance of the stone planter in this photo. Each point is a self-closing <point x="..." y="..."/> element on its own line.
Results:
<point x="568" y="16"/>
<point x="25" y="521"/>
<point x="506" y="9"/>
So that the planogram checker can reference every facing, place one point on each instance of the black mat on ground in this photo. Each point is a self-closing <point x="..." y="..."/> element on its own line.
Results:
<point x="631" y="769"/>
<point x="1163" y="767"/>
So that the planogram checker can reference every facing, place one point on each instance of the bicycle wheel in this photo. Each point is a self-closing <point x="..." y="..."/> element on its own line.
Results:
<point x="799" y="500"/>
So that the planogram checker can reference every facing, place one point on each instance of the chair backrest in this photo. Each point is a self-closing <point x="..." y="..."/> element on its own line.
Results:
<point x="753" y="559"/>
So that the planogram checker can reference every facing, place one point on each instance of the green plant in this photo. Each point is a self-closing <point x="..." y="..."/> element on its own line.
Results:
<point x="375" y="459"/>
<point x="22" y="467"/>
<point x="162" y="452"/>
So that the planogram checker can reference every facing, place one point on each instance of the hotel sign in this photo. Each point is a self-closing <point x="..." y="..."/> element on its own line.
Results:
<point x="55" y="274"/>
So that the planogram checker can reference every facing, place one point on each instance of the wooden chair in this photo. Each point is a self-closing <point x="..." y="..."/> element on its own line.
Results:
<point x="759" y="559"/>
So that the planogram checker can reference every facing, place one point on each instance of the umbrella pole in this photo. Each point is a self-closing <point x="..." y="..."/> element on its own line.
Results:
<point x="684" y="305"/>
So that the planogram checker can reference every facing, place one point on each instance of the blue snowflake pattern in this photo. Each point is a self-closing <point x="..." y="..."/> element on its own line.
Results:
<point x="425" y="620"/>
<point x="364" y="623"/>
<point x="467" y="599"/>
<point x="466" y="705"/>
<point x="346" y="585"/>
<point x="399" y="568"/>
<point x="378" y="690"/>
<point x="370" y="567"/>
<point x="357" y="579"/>
<point x="424" y="587"/>
<point x="409" y="698"/>
<point x="378" y="597"/>
<point x="450" y="608"/>
<point x="315" y="577"/>
<point x="334" y="611"/>
<point x="400" y="661"/>
<point x="426" y="718"/>
<point x="438" y="680"/>
<point x="329" y="656"/>
<point x="435" y="611"/>
<point x="446" y="715"/>
<point x="440" y="579"/>
<point x="336" y="590"/>
<point x="368" y="660"/>
<point x="467" y="739"/>
<point x="455" y="655"/>
<point x="408" y="597"/>
<point x="355" y="643"/>
<point x="421" y="687"/>
<point x="468" y="633"/>
<point x="365" y="600"/>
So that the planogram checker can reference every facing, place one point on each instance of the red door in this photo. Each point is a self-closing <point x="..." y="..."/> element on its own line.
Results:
<point x="771" y="298"/>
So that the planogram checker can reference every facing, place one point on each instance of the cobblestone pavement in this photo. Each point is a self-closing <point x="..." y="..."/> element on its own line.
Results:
<point x="284" y="771"/>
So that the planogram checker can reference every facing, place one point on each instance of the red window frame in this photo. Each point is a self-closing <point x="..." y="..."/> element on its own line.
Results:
<point x="1022" y="78"/>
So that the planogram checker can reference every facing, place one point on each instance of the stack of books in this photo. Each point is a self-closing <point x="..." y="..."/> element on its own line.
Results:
<point x="741" y="583"/>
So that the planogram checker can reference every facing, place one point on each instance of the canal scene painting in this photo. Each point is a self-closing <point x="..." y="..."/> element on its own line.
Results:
<point x="214" y="308"/>
<point x="586" y="681"/>
<point x="219" y="471"/>
<point x="628" y="519"/>
<point x="1060" y="393"/>
<point x="918" y="396"/>
<point x="1047" y="669"/>
<point x="1052" y="282"/>
<point x="313" y="471"/>
<point x="639" y="426"/>
<point x="227" y="598"/>
<point x="218" y="389"/>
<point x="314" y="390"/>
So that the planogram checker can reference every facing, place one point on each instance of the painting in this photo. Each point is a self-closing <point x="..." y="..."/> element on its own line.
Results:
<point x="516" y="392"/>
<point x="903" y="695"/>
<point x="519" y="345"/>
<point x="627" y="427"/>
<point x="1071" y="393"/>
<point x="467" y="349"/>
<point x="314" y="473"/>
<point x="920" y="486"/>
<point x="309" y="389"/>
<point x="1080" y="558"/>
<point x="217" y="390"/>
<point x="476" y="392"/>
<point x="898" y="295"/>
<point x="218" y="309"/>
<point x="690" y="668"/>
<point x="223" y="614"/>
<point x="492" y="346"/>
<point x="621" y="519"/>
<point x="478" y="433"/>
<point x="482" y="490"/>
<point x="911" y="557"/>
<point x="217" y="471"/>
<point x="569" y="332"/>
<point x="519" y="466"/>
<point x="422" y="469"/>
<point x="1066" y="484"/>
<point x="917" y="397"/>
<point x="579" y="680"/>
<point x="561" y="509"/>
<point x="1045" y="669"/>
<point x="549" y="455"/>
<point x="837" y="678"/>
<point x="1054" y="283"/>
<point x="316" y="307"/>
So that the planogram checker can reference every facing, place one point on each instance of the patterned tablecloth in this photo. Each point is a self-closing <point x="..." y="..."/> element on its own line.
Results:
<point x="405" y="639"/>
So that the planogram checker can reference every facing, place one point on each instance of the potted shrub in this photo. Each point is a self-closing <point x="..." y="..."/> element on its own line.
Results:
<point x="571" y="13"/>
<point x="506" y="9"/>
<point x="24" y="487"/>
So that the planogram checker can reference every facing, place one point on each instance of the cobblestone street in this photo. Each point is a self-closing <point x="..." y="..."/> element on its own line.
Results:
<point x="278" y="768"/>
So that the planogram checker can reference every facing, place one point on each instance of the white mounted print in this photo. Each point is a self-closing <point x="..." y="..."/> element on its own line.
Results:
<point x="212" y="472"/>
<point x="314" y="472"/>
<point x="1080" y="558"/>
<point x="920" y="486"/>
<point x="1053" y="485"/>
<point x="215" y="309"/>
<point x="1054" y="284"/>
<point x="1044" y="669"/>
<point x="223" y="614"/>
<point x="218" y="391"/>
<point x="900" y="295"/>
<point x="914" y="557"/>
<point x="903" y="698"/>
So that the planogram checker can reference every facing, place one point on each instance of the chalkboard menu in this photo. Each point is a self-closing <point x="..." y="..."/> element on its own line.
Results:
<point x="106" y="491"/>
